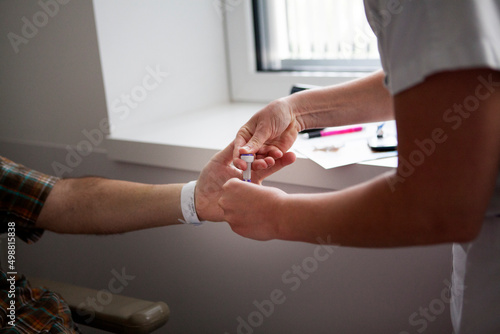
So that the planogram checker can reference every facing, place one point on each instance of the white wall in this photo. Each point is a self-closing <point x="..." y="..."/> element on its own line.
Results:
<point x="182" y="42"/>
<point x="52" y="90"/>
<point x="158" y="58"/>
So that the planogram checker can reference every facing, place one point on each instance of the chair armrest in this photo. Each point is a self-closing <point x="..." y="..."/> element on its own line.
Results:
<point x="120" y="314"/>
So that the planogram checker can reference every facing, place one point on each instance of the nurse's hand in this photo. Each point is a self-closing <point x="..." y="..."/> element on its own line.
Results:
<point x="269" y="134"/>
<point x="253" y="211"/>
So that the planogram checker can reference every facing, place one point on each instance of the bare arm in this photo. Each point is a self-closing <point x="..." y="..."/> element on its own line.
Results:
<point x="358" y="101"/>
<point x="448" y="162"/>
<point x="102" y="206"/>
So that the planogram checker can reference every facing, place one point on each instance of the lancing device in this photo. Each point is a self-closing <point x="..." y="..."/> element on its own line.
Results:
<point x="247" y="173"/>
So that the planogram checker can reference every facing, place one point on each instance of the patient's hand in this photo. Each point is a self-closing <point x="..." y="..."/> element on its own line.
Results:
<point x="217" y="172"/>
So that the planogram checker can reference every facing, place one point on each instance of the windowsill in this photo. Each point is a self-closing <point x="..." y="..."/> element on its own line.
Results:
<point x="187" y="141"/>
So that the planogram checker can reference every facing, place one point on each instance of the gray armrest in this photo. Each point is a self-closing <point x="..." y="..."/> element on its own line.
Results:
<point x="120" y="314"/>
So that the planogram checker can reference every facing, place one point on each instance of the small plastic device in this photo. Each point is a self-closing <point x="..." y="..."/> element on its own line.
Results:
<point x="247" y="173"/>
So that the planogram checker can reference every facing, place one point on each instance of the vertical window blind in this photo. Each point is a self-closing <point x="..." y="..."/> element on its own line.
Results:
<point x="313" y="35"/>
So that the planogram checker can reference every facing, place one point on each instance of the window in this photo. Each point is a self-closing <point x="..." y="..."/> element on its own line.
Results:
<point x="273" y="44"/>
<point x="313" y="35"/>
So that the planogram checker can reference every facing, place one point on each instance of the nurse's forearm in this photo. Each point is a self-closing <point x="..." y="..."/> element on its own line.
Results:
<point x="359" y="101"/>
<point x="371" y="215"/>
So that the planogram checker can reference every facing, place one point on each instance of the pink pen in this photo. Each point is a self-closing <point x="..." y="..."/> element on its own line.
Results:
<point x="323" y="133"/>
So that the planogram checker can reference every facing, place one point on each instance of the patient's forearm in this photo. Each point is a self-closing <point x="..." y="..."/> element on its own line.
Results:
<point x="100" y="206"/>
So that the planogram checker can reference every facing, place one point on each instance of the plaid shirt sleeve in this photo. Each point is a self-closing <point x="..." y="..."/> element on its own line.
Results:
<point x="23" y="192"/>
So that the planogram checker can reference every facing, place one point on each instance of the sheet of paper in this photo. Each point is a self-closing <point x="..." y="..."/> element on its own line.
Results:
<point x="340" y="150"/>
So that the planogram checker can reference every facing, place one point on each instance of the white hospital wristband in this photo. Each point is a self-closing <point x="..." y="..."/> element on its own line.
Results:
<point x="187" y="204"/>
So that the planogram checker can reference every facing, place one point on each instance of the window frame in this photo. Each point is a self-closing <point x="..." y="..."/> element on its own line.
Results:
<point x="247" y="84"/>
<point x="265" y="49"/>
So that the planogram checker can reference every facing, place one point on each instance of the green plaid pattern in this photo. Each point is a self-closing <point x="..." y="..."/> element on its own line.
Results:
<point x="37" y="310"/>
<point x="22" y="194"/>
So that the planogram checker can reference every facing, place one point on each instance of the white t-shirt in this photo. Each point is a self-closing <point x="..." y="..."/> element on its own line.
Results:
<point x="418" y="38"/>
